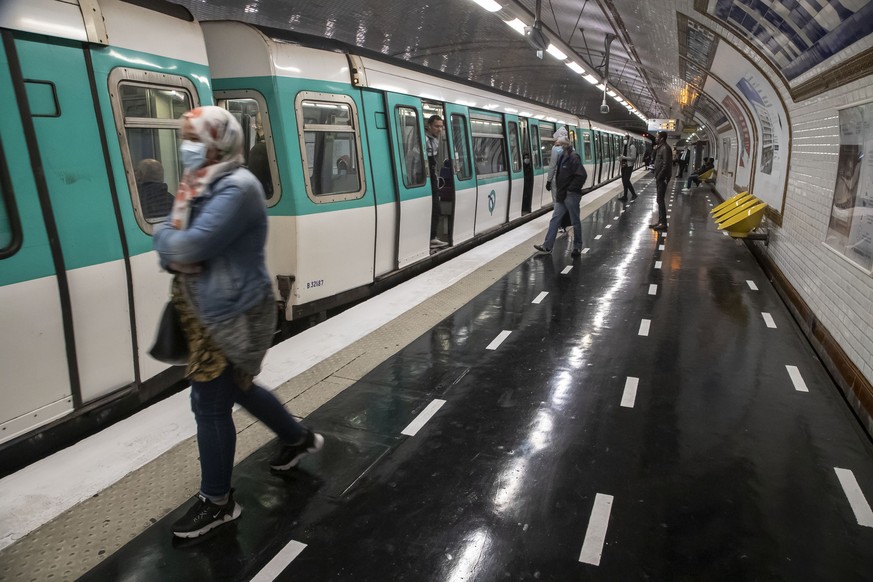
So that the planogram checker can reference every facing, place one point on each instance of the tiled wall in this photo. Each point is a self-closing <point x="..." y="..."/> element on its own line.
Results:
<point x="839" y="293"/>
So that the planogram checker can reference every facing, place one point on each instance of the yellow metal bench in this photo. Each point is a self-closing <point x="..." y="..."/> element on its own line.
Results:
<point x="740" y="215"/>
<point x="707" y="176"/>
<point x="731" y="204"/>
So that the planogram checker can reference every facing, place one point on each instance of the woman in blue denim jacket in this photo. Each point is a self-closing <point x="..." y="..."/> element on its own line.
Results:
<point x="214" y="243"/>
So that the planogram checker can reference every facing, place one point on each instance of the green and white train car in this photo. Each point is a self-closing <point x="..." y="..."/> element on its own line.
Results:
<point x="84" y="90"/>
<point x="88" y="165"/>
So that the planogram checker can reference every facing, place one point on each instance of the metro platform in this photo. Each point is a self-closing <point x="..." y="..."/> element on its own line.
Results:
<point x="648" y="410"/>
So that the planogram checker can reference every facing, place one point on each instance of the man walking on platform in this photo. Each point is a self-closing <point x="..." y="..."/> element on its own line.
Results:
<point x="663" y="173"/>
<point x="628" y="157"/>
<point x="570" y="176"/>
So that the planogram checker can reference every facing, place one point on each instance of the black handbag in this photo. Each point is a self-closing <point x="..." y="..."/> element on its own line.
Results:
<point x="171" y="344"/>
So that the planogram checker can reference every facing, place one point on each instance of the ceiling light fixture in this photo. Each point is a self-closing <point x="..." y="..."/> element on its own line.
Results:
<point x="516" y="24"/>
<point x="489" y="5"/>
<point x="556" y="52"/>
<point x="574" y="66"/>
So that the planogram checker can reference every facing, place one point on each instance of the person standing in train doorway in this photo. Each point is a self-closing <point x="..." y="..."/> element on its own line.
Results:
<point x="433" y="129"/>
<point x="570" y="176"/>
<point x="214" y="243"/>
<point x="628" y="157"/>
<point x="663" y="173"/>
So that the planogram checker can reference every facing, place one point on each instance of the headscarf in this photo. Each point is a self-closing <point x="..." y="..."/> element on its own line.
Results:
<point x="218" y="130"/>
<point x="561" y="132"/>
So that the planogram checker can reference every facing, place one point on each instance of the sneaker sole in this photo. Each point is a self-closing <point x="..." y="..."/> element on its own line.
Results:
<point x="316" y="446"/>
<point x="237" y="511"/>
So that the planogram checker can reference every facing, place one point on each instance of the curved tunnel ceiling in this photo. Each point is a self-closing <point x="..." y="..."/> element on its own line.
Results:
<point x="659" y="60"/>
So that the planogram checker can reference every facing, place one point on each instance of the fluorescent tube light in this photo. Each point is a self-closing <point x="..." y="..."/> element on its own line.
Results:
<point x="556" y="52"/>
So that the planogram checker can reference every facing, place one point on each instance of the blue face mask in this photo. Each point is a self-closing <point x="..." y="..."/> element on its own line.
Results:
<point x="193" y="154"/>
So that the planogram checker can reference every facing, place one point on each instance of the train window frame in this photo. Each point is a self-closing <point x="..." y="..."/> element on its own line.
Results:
<point x="536" y="148"/>
<point x="514" y="132"/>
<point x="148" y="79"/>
<point x="587" y="148"/>
<point x="496" y="135"/>
<point x="234" y="94"/>
<point x="404" y="152"/>
<point x="10" y="209"/>
<point x="463" y="166"/>
<point x="354" y="127"/>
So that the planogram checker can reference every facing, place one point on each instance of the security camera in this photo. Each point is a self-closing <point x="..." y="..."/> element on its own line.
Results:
<point x="604" y="108"/>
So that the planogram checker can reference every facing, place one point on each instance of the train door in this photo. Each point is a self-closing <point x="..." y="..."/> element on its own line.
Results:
<point x="547" y="143"/>
<point x="413" y="187"/>
<point x="515" y="166"/>
<point x="539" y="165"/>
<point x="587" y="154"/>
<point x="610" y="147"/>
<point x="461" y="184"/>
<point x="66" y="325"/>
<point x="492" y="172"/>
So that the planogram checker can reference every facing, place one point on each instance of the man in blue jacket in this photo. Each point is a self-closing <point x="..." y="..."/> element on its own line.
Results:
<point x="570" y="176"/>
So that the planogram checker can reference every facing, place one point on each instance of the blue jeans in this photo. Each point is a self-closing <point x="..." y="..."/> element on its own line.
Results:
<point x="212" y="403"/>
<point x="571" y="205"/>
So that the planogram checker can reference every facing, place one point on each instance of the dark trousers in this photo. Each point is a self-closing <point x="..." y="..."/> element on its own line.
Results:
<point x="626" y="183"/>
<point x="212" y="403"/>
<point x="435" y="214"/>
<point x="662" y="205"/>
<point x="682" y="167"/>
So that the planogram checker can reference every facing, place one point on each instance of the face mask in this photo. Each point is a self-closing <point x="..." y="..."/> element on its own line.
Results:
<point x="193" y="154"/>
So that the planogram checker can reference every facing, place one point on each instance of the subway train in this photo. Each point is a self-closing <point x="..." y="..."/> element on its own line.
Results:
<point x="89" y="163"/>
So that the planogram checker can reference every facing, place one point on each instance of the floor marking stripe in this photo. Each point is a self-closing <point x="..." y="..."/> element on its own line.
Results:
<point x="799" y="384"/>
<point x="615" y="217"/>
<point x="598" y="237"/>
<point x="768" y="319"/>
<point x="644" y="326"/>
<point x="585" y="250"/>
<point x="608" y="226"/>
<point x="660" y="247"/>
<point x="279" y="562"/>
<point x="653" y="289"/>
<point x="663" y="235"/>
<point x="855" y="496"/>
<point x="540" y="297"/>
<point x="595" y="535"/>
<point x="495" y="343"/>
<point x="658" y="264"/>
<point x="420" y="420"/>
<point x="630" y="392"/>
<point x="567" y="269"/>
<point x="752" y="285"/>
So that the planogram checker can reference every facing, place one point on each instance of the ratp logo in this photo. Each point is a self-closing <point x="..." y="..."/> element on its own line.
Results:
<point x="492" y="201"/>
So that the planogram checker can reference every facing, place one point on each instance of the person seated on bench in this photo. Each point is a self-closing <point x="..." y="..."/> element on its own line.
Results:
<point x="708" y="164"/>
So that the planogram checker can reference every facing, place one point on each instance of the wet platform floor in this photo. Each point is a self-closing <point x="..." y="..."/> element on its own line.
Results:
<point x="639" y="421"/>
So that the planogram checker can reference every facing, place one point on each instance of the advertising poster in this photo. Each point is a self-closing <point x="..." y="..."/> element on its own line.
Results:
<point x="850" y="229"/>
<point x="743" y="174"/>
<point x="769" y="118"/>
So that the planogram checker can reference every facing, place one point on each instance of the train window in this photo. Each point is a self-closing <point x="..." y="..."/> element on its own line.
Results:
<point x="460" y="149"/>
<point x="537" y="149"/>
<point x="147" y="107"/>
<point x="514" y="150"/>
<point x="250" y="109"/>
<point x="488" y="147"/>
<point x="546" y="142"/>
<point x="586" y="145"/>
<point x="331" y="146"/>
<point x="10" y="227"/>
<point x="412" y="160"/>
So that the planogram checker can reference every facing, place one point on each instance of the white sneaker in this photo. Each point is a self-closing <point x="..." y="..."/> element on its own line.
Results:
<point x="438" y="243"/>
